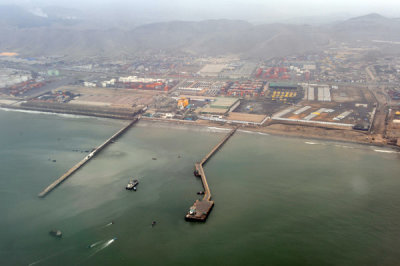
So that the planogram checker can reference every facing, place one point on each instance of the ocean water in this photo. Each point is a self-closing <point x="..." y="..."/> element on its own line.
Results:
<point x="278" y="201"/>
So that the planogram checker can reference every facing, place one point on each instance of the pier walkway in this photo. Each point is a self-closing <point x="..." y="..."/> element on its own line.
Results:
<point x="201" y="208"/>
<point x="86" y="159"/>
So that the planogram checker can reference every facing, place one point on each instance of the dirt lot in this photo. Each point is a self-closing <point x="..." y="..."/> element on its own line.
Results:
<point x="317" y="133"/>
<point x="393" y="129"/>
<point x="347" y="94"/>
<point x="358" y="113"/>
<point x="111" y="97"/>
<point x="259" y="106"/>
<point x="246" y="117"/>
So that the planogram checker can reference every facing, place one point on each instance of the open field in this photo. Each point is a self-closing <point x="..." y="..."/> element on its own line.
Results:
<point x="111" y="97"/>
<point x="246" y="117"/>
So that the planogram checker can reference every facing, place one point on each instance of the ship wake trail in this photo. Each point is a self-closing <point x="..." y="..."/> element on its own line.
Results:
<point x="109" y="242"/>
<point x="95" y="244"/>
<point x="109" y="224"/>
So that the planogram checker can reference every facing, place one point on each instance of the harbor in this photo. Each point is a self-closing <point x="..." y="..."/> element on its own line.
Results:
<point x="202" y="208"/>
<point x="91" y="155"/>
<point x="257" y="195"/>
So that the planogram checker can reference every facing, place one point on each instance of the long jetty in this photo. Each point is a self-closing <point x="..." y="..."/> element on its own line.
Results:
<point x="201" y="208"/>
<point x="91" y="155"/>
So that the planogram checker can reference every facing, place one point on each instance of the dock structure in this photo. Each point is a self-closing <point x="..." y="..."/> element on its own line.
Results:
<point x="91" y="155"/>
<point x="201" y="208"/>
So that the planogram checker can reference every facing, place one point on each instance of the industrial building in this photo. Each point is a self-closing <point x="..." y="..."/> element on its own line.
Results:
<point x="321" y="93"/>
<point x="238" y="71"/>
<point x="284" y="91"/>
<point x="212" y="70"/>
<point x="209" y="88"/>
<point x="133" y="82"/>
<point x="282" y="86"/>
<point x="244" y="88"/>
<point x="274" y="73"/>
<point x="221" y="106"/>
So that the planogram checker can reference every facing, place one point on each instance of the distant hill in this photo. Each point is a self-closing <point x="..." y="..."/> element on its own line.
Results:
<point x="64" y="31"/>
<point x="368" y="27"/>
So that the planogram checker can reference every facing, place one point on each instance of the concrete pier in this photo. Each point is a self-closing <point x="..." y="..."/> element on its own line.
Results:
<point x="86" y="159"/>
<point x="201" y="208"/>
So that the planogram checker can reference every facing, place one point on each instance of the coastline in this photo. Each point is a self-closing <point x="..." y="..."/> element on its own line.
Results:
<point x="275" y="129"/>
<point x="70" y="112"/>
<point x="266" y="130"/>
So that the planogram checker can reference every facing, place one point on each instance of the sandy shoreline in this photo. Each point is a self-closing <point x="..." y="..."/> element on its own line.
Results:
<point x="307" y="134"/>
<point x="296" y="131"/>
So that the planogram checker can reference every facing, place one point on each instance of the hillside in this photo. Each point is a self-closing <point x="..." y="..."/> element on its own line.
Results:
<point x="33" y="35"/>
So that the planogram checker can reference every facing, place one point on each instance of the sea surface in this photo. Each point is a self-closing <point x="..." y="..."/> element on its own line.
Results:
<point x="278" y="200"/>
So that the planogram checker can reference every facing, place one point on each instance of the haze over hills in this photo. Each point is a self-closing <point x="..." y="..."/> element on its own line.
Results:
<point x="368" y="27"/>
<point x="67" y="32"/>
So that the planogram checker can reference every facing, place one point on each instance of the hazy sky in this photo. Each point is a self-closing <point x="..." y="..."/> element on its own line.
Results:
<point x="252" y="10"/>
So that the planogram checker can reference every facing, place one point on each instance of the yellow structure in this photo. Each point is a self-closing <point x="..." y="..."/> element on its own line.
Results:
<point x="183" y="102"/>
<point x="8" y="54"/>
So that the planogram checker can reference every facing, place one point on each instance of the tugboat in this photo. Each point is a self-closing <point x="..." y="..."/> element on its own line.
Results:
<point x="132" y="185"/>
<point x="55" y="233"/>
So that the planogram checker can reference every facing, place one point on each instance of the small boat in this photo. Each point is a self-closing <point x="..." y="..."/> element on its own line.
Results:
<point x="200" y="193"/>
<point x="132" y="185"/>
<point x="153" y="223"/>
<point x="55" y="233"/>
<point x="154" y="158"/>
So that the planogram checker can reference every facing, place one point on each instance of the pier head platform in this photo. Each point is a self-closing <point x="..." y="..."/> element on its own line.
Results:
<point x="202" y="208"/>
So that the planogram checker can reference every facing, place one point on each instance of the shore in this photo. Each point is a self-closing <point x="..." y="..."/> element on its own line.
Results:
<point x="279" y="129"/>
<point x="297" y="131"/>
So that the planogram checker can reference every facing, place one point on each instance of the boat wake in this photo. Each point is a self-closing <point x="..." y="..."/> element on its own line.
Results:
<point x="109" y="224"/>
<point x="95" y="244"/>
<point x="109" y="242"/>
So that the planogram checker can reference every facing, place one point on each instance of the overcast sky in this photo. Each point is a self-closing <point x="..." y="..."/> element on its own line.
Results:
<point x="251" y="10"/>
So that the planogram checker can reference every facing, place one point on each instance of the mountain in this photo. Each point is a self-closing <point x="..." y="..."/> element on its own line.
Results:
<point x="369" y="27"/>
<point x="369" y="17"/>
<point x="52" y="32"/>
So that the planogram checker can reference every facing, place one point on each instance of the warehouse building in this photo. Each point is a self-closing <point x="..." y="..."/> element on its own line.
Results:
<point x="285" y="92"/>
<point x="282" y="86"/>
<point x="221" y="106"/>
